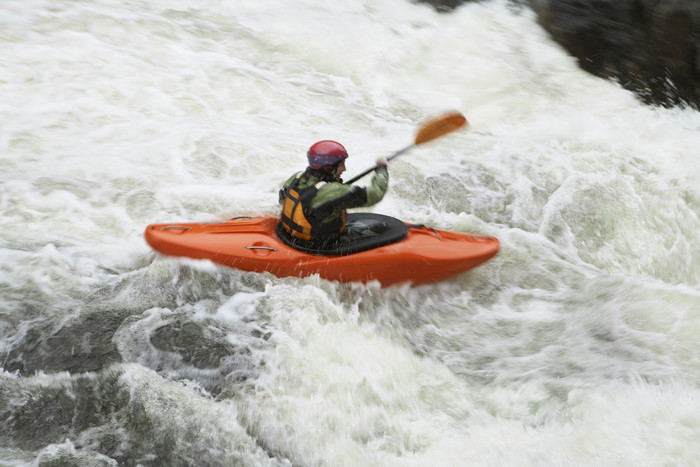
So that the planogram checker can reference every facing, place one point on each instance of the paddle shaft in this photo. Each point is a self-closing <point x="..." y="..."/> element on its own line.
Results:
<point x="429" y="131"/>
<point x="372" y="169"/>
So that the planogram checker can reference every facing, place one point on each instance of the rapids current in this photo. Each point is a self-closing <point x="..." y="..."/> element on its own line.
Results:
<point x="576" y="345"/>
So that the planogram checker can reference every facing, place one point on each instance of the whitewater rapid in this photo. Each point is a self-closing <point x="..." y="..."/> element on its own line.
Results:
<point x="576" y="345"/>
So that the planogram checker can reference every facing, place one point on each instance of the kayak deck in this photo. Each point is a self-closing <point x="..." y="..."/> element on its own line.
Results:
<point x="421" y="256"/>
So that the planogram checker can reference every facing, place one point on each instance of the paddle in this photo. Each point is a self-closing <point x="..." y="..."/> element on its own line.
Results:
<point x="429" y="131"/>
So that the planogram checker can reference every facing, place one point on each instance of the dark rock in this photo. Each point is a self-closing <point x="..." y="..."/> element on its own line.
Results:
<point x="650" y="47"/>
<point x="39" y="413"/>
<point x="102" y="415"/>
<point x="444" y="6"/>
<point x="83" y="344"/>
<point x="190" y="342"/>
<point x="201" y="351"/>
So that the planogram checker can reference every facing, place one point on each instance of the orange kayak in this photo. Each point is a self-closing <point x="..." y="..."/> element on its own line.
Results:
<point x="378" y="247"/>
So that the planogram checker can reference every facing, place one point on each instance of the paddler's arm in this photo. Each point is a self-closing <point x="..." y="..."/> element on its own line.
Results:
<point x="340" y="196"/>
<point x="380" y="183"/>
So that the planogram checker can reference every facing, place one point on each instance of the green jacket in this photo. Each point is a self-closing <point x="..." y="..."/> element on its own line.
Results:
<point x="334" y="198"/>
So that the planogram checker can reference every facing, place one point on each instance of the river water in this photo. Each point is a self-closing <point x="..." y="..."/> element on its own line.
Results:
<point x="576" y="345"/>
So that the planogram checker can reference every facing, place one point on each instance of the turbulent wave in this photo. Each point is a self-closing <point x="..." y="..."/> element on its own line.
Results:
<point x="576" y="345"/>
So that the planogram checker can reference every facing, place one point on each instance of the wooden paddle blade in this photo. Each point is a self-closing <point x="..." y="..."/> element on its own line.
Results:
<point x="440" y="126"/>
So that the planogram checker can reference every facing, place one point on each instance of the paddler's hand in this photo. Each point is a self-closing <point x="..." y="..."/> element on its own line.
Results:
<point x="382" y="163"/>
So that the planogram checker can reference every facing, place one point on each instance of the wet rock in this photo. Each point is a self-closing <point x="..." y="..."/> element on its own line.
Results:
<point x="54" y="410"/>
<point x="190" y="342"/>
<point x="650" y="47"/>
<point x="91" y="419"/>
<point x="444" y="5"/>
<point x="81" y="340"/>
<point x="83" y="344"/>
<point x="202" y="352"/>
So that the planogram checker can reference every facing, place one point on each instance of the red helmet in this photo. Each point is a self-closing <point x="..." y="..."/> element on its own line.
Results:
<point x="325" y="153"/>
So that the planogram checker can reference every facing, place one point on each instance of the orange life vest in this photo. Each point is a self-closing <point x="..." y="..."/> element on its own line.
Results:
<point x="298" y="218"/>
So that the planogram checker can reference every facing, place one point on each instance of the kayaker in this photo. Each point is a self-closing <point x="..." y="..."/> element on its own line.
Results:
<point x="314" y="202"/>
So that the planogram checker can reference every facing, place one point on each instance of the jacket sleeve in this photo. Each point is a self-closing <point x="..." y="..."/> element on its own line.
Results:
<point x="338" y="196"/>
<point x="378" y="187"/>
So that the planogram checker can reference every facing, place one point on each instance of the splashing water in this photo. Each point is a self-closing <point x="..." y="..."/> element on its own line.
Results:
<point x="576" y="345"/>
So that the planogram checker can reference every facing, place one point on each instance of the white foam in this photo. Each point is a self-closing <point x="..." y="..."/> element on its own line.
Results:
<point x="117" y="115"/>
